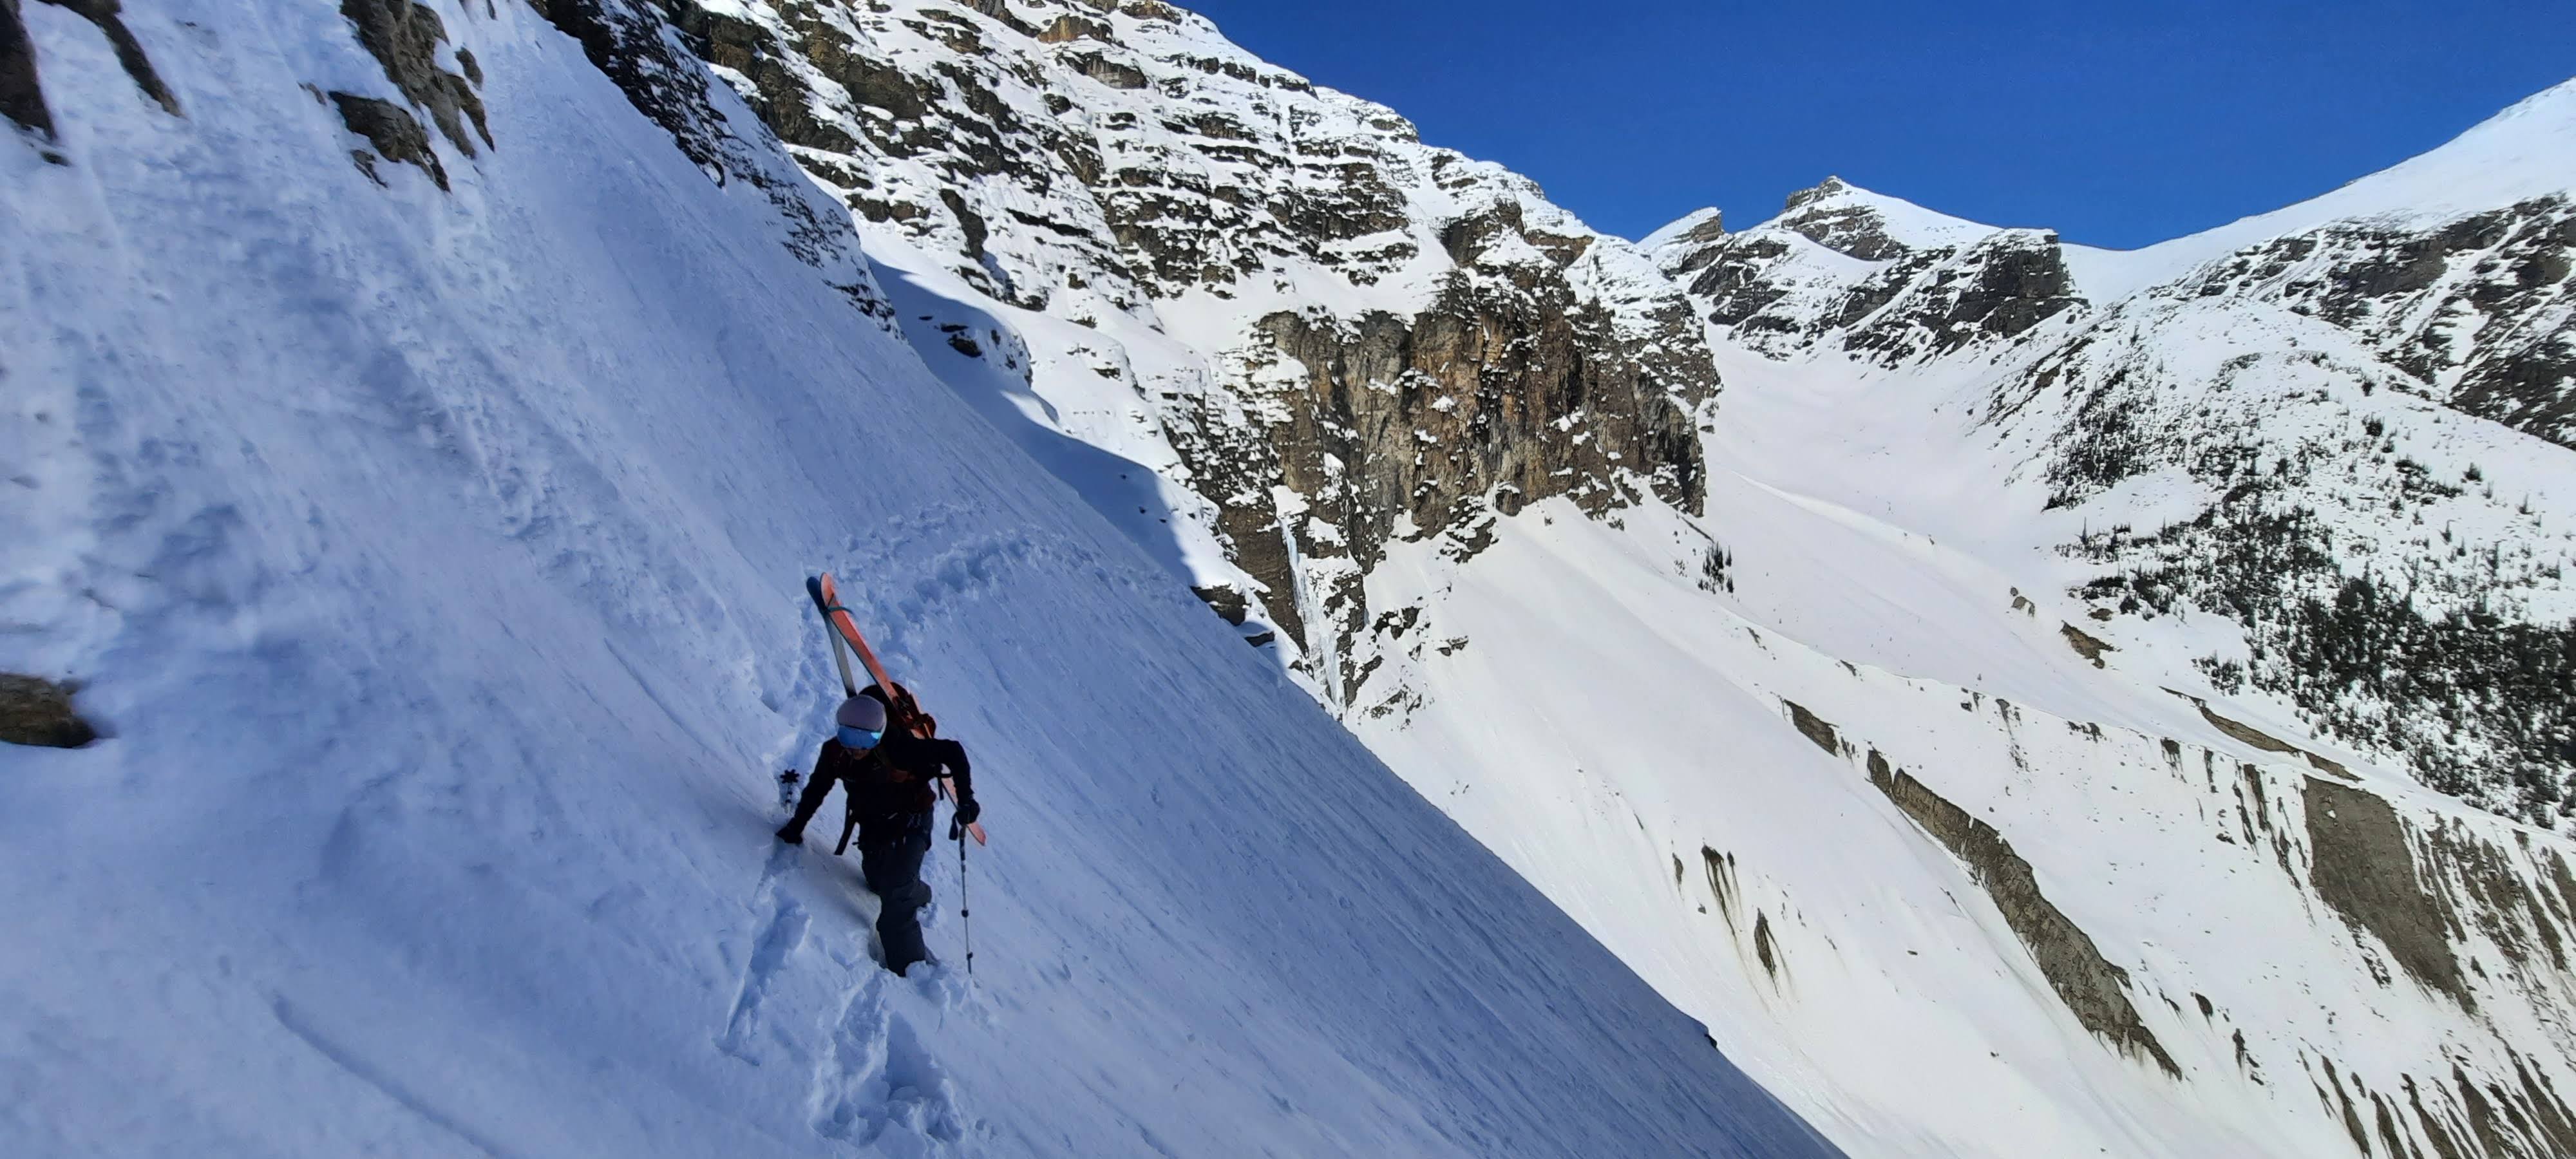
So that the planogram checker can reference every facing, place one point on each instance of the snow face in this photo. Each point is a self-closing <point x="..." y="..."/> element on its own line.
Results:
<point x="433" y="559"/>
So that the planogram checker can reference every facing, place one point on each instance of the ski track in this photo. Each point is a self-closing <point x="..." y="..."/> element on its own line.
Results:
<point x="295" y="1023"/>
<point x="780" y="936"/>
<point x="879" y="1084"/>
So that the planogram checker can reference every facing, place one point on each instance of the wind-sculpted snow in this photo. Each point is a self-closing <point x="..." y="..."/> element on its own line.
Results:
<point x="432" y="557"/>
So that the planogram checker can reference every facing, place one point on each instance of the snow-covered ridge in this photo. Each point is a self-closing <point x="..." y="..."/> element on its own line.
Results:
<point x="2525" y="152"/>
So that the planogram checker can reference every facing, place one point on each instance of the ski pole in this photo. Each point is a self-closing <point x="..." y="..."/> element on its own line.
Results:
<point x="965" y="924"/>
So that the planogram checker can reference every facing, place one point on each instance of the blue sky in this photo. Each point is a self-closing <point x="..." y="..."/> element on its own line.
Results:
<point x="2118" y="124"/>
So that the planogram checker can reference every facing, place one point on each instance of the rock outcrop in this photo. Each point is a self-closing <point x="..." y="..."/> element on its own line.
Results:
<point x="407" y="38"/>
<point x="2365" y="868"/>
<point x="2479" y="312"/>
<point x="37" y="711"/>
<point x="2096" y="991"/>
<point x="22" y="93"/>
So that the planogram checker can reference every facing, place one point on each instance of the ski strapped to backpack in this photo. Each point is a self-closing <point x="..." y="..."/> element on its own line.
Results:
<point x="844" y="630"/>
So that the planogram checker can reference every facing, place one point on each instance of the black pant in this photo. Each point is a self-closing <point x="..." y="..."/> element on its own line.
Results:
<point x="890" y="854"/>
<point x="890" y="851"/>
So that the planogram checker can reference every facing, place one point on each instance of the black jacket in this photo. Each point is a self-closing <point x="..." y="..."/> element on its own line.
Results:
<point x="894" y="781"/>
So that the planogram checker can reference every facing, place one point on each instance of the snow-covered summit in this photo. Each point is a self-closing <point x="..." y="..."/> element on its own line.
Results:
<point x="1844" y="266"/>
<point x="1699" y="225"/>
<point x="1859" y="223"/>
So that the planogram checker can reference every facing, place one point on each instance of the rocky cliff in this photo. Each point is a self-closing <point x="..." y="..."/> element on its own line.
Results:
<point x="1361" y="338"/>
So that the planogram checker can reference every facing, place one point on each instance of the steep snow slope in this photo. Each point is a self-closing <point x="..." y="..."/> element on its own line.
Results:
<point x="431" y="551"/>
<point x="1943" y="881"/>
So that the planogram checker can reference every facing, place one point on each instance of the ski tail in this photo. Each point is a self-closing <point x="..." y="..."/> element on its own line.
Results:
<point x="845" y="630"/>
<point x="819" y="587"/>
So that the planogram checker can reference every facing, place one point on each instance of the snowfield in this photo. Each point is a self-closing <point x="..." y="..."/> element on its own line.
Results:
<point x="433" y="560"/>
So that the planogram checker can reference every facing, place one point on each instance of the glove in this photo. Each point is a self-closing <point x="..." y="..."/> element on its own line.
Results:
<point x="968" y="810"/>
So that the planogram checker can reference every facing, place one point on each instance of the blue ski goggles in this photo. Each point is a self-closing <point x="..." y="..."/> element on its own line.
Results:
<point x="859" y="738"/>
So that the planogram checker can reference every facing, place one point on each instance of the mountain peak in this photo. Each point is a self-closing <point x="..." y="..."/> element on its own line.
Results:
<point x="1830" y="187"/>
<point x="1856" y="222"/>
<point x="1699" y="225"/>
